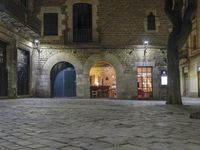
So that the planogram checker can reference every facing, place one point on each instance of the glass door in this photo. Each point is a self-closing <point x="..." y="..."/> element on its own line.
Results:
<point x="144" y="81"/>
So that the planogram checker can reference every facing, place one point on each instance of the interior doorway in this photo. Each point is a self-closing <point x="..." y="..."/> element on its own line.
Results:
<point x="102" y="81"/>
<point x="145" y="82"/>
<point x="63" y="80"/>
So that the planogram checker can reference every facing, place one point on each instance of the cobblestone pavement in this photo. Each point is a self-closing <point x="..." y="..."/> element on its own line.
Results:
<point x="80" y="124"/>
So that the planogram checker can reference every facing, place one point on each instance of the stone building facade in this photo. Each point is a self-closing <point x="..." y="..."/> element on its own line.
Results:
<point x="129" y="36"/>
<point x="18" y="29"/>
<point x="190" y="65"/>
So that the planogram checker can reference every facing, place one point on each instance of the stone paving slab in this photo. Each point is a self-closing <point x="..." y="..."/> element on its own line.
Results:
<point x="100" y="124"/>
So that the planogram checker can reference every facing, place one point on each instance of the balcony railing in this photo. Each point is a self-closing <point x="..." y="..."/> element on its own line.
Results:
<point x="82" y="35"/>
<point x="18" y="12"/>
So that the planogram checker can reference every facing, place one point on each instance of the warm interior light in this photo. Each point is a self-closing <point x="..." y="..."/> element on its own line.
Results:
<point x="97" y="83"/>
<point x="36" y="41"/>
<point x="198" y="69"/>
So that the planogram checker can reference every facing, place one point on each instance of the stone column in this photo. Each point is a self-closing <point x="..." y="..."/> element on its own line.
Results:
<point x="127" y="84"/>
<point x="156" y="83"/>
<point x="12" y="68"/>
<point x="85" y="81"/>
<point x="82" y="86"/>
<point x="34" y="71"/>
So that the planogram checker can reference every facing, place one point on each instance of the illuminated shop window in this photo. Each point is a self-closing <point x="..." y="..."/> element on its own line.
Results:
<point x="145" y="82"/>
<point x="164" y="78"/>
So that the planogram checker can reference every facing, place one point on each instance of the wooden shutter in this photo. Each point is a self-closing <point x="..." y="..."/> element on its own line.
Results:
<point x="50" y="24"/>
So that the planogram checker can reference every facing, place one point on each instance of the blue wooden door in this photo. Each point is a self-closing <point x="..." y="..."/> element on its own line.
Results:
<point x="65" y="83"/>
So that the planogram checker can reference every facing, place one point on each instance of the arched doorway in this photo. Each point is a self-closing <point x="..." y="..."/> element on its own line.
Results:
<point x="102" y="80"/>
<point x="63" y="80"/>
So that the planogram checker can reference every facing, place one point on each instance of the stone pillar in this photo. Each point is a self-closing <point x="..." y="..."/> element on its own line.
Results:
<point x="82" y="86"/>
<point x="34" y="71"/>
<point x="127" y="85"/>
<point x="85" y="85"/>
<point x="12" y="70"/>
<point x="156" y="83"/>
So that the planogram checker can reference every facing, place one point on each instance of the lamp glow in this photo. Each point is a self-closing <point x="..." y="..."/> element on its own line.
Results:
<point x="146" y="43"/>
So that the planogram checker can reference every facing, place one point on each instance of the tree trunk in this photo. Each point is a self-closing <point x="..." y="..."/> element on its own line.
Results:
<point x="180" y="13"/>
<point x="173" y="93"/>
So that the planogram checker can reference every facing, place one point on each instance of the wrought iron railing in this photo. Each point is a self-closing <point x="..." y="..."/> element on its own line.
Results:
<point x="82" y="35"/>
<point x="21" y="14"/>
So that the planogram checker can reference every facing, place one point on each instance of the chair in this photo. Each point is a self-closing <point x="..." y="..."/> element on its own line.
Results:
<point x="94" y="94"/>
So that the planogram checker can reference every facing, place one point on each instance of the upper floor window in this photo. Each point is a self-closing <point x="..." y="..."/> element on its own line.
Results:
<point x="24" y="3"/>
<point x="151" y="21"/>
<point x="194" y="42"/>
<point x="82" y="22"/>
<point x="50" y="24"/>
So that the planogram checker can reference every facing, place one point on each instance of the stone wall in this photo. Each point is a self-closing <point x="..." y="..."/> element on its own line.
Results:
<point x="120" y="30"/>
<point x="124" y="63"/>
<point x="118" y="24"/>
<point x="15" y="41"/>
<point x="189" y="66"/>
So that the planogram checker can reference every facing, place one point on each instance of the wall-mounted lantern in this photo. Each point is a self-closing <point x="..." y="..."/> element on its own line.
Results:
<point x="146" y="44"/>
<point x="37" y="45"/>
<point x="198" y="69"/>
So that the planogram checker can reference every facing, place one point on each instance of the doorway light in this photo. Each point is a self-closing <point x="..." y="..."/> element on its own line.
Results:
<point x="198" y="69"/>
<point x="146" y="43"/>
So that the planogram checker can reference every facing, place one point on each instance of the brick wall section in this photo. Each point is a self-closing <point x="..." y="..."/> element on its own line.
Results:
<point x="121" y="23"/>
<point x="121" y="28"/>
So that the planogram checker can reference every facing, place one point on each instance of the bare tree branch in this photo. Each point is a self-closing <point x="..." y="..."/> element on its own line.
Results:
<point x="191" y="10"/>
<point x="187" y="23"/>
<point x="169" y="9"/>
<point x="178" y="5"/>
<point x="180" y="13"/>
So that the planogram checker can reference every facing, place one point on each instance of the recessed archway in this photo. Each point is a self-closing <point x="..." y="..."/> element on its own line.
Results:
<point x="102" y="80"/>
<point x="63" y="80"/>
<point x="112" y="60"/>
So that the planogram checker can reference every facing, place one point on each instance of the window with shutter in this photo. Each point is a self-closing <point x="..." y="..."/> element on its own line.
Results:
<point x="50" y="24"/>
<point x="151" y="21"/>
<point x="82" y="22"/>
